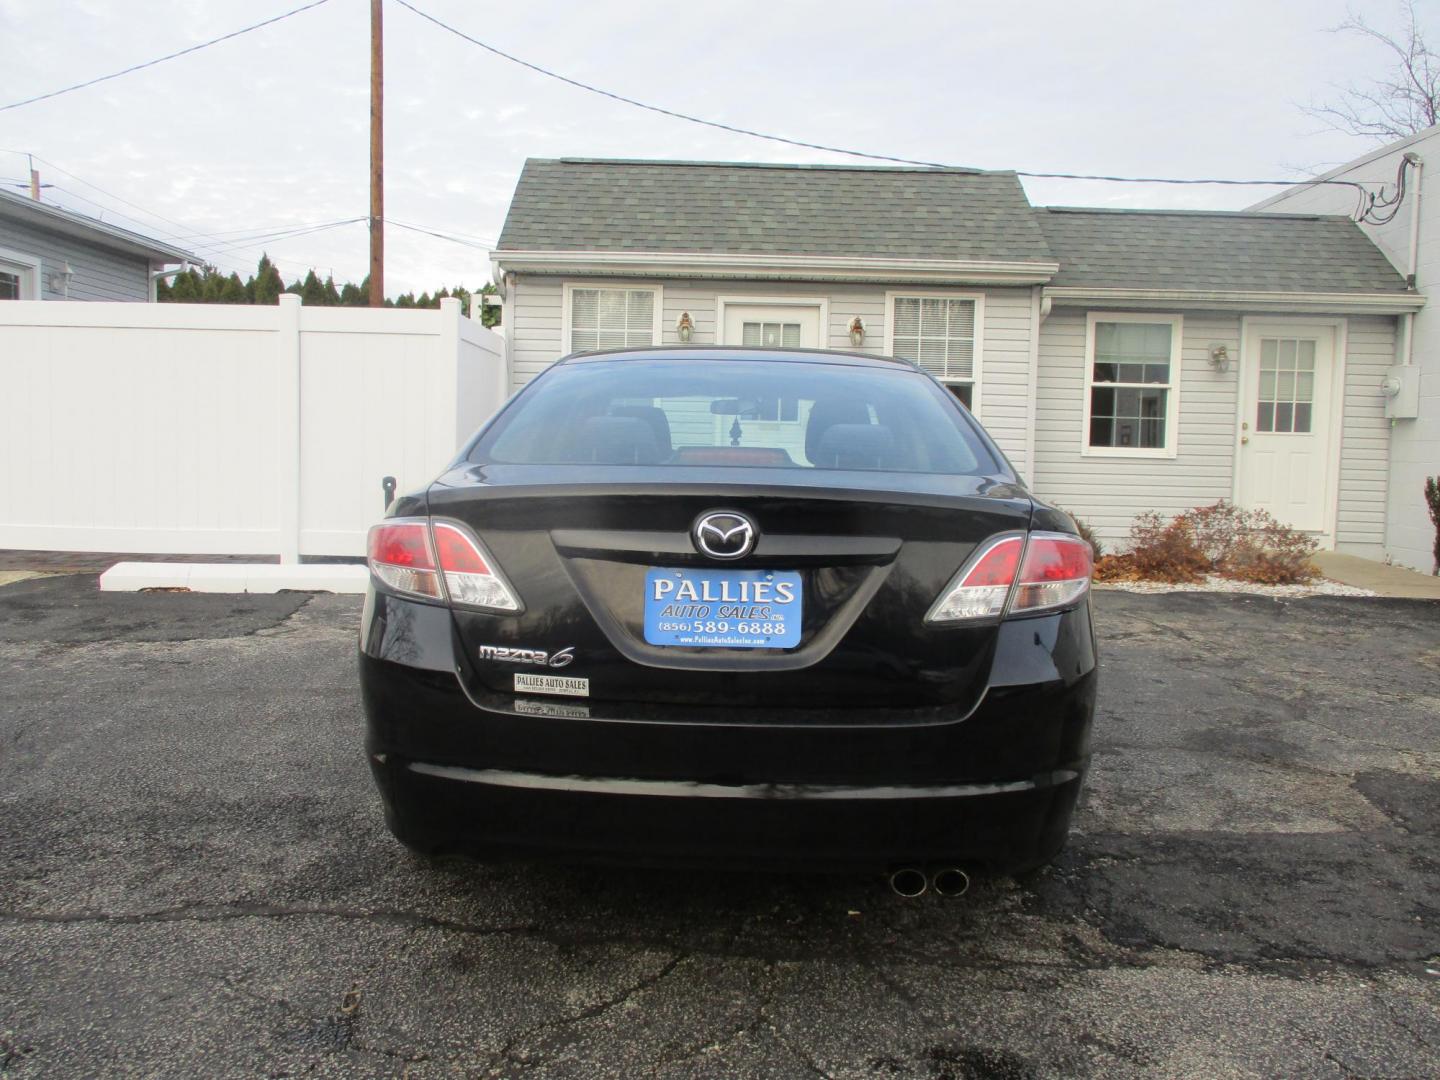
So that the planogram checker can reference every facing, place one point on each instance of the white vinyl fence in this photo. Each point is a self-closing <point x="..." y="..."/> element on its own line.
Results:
<point x="210" y="429"/>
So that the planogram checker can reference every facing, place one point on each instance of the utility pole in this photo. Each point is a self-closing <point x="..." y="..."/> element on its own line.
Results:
<point x="377" y="155"/>
<point x="34" y="178"/>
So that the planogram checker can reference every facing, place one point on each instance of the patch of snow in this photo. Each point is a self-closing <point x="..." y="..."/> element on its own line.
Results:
<point x="1216" y="583"/>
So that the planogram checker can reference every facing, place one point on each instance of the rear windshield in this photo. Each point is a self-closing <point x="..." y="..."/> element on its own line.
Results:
<point x="737" y="412"/>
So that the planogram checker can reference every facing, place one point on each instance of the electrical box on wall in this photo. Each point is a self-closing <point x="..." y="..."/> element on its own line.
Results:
<point x="1401" y="387"/>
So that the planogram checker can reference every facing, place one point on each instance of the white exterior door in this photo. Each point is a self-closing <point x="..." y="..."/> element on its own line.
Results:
<point x="1286" y="423"/>
<point x="774" y="326"/>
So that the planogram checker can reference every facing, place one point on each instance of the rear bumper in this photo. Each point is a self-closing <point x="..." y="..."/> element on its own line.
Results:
<point x="993" y="785"/>
<point x="494" y="813"/>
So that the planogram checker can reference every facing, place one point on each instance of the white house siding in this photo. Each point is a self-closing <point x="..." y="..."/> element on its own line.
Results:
<point x="1108" y="492"/>
<point x="1414" y="444"/>
<point x="1365" y="445"/>
<point x="537" y="315"/>
<point x="100" y="273"/>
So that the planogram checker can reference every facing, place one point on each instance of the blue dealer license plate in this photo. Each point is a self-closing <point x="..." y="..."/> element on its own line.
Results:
<point x="723" y="609"/>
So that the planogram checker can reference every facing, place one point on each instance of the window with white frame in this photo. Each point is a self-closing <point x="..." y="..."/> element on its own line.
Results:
<point x="1132" y="374"/>
<point x="19" y="277"/>
<point x="938" y="334"/>
<point x="602" y="318"/>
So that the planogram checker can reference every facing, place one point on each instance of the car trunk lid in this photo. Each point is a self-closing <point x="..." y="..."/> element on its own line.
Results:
<point x="869" y="553"/>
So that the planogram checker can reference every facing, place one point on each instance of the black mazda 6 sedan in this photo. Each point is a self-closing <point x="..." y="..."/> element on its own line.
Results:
<point x="731" y="606"/>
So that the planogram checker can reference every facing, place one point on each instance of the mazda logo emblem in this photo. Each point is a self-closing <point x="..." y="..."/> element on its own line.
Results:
<point x="723" y="534"/>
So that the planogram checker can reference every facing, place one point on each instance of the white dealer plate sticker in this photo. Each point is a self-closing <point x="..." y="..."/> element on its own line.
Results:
<point x="552" y="684"/>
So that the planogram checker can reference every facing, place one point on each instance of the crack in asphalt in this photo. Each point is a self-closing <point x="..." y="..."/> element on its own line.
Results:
<point x="201" y="913"/>
<point x="344" y="1022"/>
<point x="507" y="1052"/>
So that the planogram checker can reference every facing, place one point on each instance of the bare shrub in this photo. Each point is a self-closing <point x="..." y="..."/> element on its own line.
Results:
<point x="1432" y="500"/>
<point x="1245" y="545"/>
<point x="1160" y="550"/>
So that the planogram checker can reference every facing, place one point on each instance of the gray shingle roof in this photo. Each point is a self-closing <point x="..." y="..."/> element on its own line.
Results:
<point x="94" y="230"/>
<point x="588" y="205"/>
<point x="1177" y="249"/>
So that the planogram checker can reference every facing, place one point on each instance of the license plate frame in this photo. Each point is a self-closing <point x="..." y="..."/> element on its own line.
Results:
<point x="762" y="609"/>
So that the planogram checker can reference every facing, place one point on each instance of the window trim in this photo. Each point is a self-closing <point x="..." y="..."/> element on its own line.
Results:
<point x="1171" y="449"/>
<point x="977" y="399"/>
<point x="30" y="277"/>
<point x="567" y="307"/>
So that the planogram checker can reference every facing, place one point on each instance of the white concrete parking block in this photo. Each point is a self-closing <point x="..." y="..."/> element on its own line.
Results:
<point x="235" y="577"/>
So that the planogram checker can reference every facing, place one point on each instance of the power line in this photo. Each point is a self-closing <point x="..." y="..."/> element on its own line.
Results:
<point x="287" y="235"/>
<point x="146" y="228"/>
<point x="200" y="241"/>
<point x="657" y="108"/>
<point x="187" y="229"/>
<point x="227" y="235"/>
<point x="452" y="237"/>
<point x="673" y="114"/>
<point x="162" y="59"/>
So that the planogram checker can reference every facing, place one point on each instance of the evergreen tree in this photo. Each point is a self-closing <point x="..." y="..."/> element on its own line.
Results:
<point x="210" y="286"/>
<point x="267" y="285"/>
<point x="234" y="291"/>
<point x="312" y="293"/>
<point x="186" y="288"/>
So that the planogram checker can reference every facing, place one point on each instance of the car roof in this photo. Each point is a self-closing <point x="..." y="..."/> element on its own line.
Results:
<point x="741" y="352"/>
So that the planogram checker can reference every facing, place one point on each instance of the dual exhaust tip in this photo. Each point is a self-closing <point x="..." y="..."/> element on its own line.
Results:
<point x="912" y="881"/>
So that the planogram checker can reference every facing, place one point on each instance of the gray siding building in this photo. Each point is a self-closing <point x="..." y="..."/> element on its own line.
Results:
<point x="47" y="253"/>
<point x="1125" y="361"/>
<point x="1411" y="413"/>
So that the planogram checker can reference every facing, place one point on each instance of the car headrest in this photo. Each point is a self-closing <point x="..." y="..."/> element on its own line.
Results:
<point x="615" y="440"/>
<point x="826" y="413"/>
<point x="855" y="446"/>
<point x="652" y="415"/>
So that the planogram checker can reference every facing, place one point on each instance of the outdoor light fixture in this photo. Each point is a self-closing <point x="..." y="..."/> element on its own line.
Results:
<point x="857" y="332"/>
<point x="1220" y="358"/>
<point x="60" y="279"/>
<point x="684" y="327"/>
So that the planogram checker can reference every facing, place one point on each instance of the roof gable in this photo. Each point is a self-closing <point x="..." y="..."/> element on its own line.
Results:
<point x="572" y="204"/>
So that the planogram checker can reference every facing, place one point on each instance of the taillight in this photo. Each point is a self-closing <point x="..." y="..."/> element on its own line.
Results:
<point x="980" y="589"/>
<point x="1056" y="572"/>
<point x="471" y="577"/>
<point x="1043" y="571"/>
<point x="453" y="565"/>
<point x="399" y="555"/>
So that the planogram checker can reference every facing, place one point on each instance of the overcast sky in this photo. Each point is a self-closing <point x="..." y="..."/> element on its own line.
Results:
<point x="270" y="130"/>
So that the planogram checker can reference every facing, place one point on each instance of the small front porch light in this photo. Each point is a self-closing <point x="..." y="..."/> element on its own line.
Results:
<point x="684" y="327"/>
<point x="1220" y="358"/>
<point x="59" y="280"/>
<point x="857" y="332"/>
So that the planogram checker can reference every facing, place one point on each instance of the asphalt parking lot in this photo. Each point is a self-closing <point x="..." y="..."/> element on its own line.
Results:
<point x="195" y="880"/>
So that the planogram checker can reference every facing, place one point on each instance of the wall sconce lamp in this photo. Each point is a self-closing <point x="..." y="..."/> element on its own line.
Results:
<point x="59" y="280"/>
<point x="857" y="332"/>
<point x="684" y="327"/>
<point x="1220" y="358"/>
